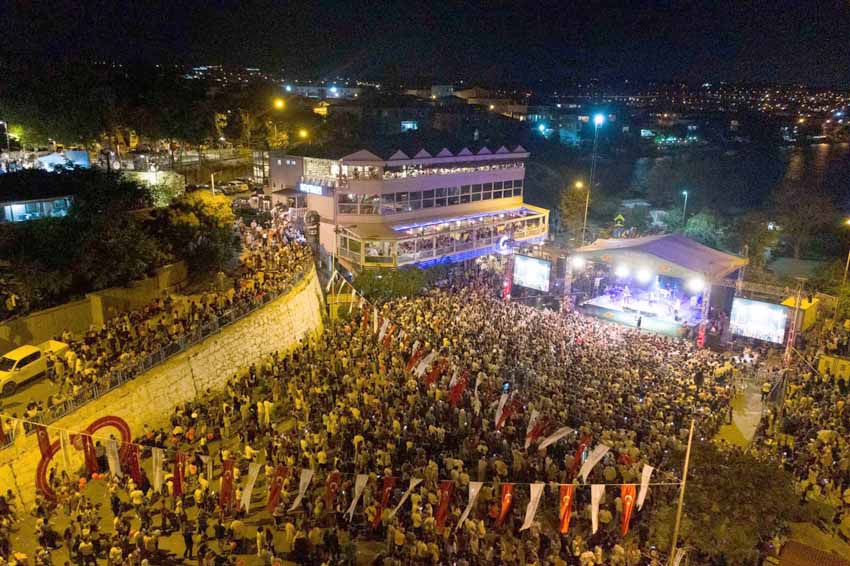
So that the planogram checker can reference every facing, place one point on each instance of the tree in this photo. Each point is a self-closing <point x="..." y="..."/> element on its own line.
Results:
<point x="734" y="502"/>
<point x="754" y="231"/>
<point x="801" y="212"/>
<point x="707" y="228"/>
<point x="384" y="285"/>
<point x="571" y="209"/>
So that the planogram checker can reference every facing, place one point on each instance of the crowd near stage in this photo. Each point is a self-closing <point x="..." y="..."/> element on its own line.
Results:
<point x="659" y="283"/>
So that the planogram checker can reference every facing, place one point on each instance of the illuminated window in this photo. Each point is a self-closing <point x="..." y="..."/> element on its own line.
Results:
<point x="409" y="125"/>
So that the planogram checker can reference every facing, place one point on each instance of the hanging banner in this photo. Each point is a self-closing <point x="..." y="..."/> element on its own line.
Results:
<point x="477" y="404"/>
<point x="554" y="437"/>
<point x="644" y="484"/>
<point x="413" y="483"/>
<point x="359" y="486"/>
<point x="592" y="460"/>
<point x="507" y="499"/>
<point x="565" y="496"/>
<point x="532" y="421"/>
<point x="135" y="464"/>
<point x="157" y="469"/>
<point x="388" y="337"/>
<point x="365" y="318"/>
<point x="352" y="301"/>
<point x="248" y="490"/>
<point x="225" y="496"/>
<point x="680" y="553"/>
<point x="89" y="453"/>
<point x="446" y="489"/>
<point x="436" y="371"/>
<point x="112" y="458"/>
<point x="276" y="487"/>
<point x="177" y="481"/>
<point x="64" y="441"/>
<point x="579" y="455"/>
<point x="386" y="492"/>
<point x="456" y="392"/>
<point x="425" y="363"/>
<point x="474" y="489"/>
<point x="502" y="401"/>
<point x="43" y="440"/>
<point x="375" y="323"/>
<point x="627" y="497"/>
<point x="536" y="492"/>
<point x="303" y="484"/>
<point x="596" y="493"/>
<point x="3" y="438"/>
<point x="383" y="331"/>
<point x="414" y="358"/>
<point x="331" y="489"/>
<point x="509" y="410"/>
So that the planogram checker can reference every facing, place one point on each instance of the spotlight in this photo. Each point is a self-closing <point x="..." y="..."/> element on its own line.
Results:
<point x="621" y="271"/>
<point x="644" y="275"/>
<point x="578" y="262"/>
<point x="695" y="285"/>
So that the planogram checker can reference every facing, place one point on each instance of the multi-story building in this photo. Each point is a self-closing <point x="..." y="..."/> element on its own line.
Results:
<point x="412" y="206"/>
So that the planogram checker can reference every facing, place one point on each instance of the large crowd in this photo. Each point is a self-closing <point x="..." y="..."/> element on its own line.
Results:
<point x="347" y="403"/>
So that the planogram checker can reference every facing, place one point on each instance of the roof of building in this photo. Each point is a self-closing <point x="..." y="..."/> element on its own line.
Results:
<point x="798" y="554"/>
<point x="673" y="255"/>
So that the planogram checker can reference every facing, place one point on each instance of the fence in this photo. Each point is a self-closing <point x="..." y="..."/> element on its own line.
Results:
<point x="120" y="375"/>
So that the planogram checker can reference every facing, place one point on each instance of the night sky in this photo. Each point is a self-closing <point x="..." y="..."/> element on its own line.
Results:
<point x="805" y="41"/>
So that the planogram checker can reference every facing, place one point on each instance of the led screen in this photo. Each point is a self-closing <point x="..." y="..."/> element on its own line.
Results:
<point x="755" y="319"/>
<point x="532" y="272"/>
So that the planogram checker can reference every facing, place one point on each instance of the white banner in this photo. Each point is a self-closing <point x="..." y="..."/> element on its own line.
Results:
<point x="112" y="458"/>
<point x="423" y="365"/>
<point x="453" y="380"/>
<point x="554" y="437"/>
<point x="535" y="415"/>
<point x="644" y="485"/>
<point x="353" y="300"/>
<point x="208" y="464"/>
<point x="413" y="483"/>
<point x="533" y="502"/>
<point x="359" y="486"/>
<point x="680" y="553"/>
<point x="157" y="469"/>
<point x="304" y="482"/>
<point x="245" y="502"/>
<point x="415" y="348"/>
<point x="477" y="403"/>
<point x="592" y="460"/>
<point x="330" y="282"/>
<point x="384" y="327"/>
<point x="502" y="400"/>
<point x="64" y="441"/>
<point x="474" y="488"/>
<point x="596" y="493"/>
<point x="375" y="323"/>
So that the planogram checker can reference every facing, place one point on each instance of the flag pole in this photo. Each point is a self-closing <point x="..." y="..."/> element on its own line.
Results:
<point x="682" y="495"/>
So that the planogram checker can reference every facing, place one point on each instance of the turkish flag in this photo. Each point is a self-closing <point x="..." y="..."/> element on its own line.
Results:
<point x="414" y="359"/>
<point x="134" y="464"/>
<point x="582" y="446"/>
<point x="226" y="495"/>
<point x="331" y="489"/>
<point x="276" y="487"/>
<point x="446" y="489"/>
<point x="512" y="407"/>
<point x="457" y="391"/>
<point x="386" y="491"/>
<point x="43" y="440"/>
<point x="507" y="499"/>
<point x="435" y="372"/>
<point x="179" y="461"/>
<point x="389" y="335"/>
<point x="89" y="453"/>
<point x="627" y="496"/>
<point x="566" y="505"/>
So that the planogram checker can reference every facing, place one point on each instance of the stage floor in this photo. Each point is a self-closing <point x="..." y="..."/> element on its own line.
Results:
<point x="655" y="316"/>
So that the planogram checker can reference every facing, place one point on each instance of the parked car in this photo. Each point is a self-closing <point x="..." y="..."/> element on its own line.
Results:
<point x="26" y="363"/>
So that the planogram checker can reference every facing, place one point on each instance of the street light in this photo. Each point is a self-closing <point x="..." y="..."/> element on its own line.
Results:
<point x="302" y="133"/>
<point x="279" y="103"/>
<point x="598" y="120"/>
<point x="684" y="208"/>
<point x="847" y="264"/>
<point x="579" y="186"/>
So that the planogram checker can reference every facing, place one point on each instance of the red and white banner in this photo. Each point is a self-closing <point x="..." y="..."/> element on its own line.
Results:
<point x="384" y="326"/>
<point x="386" y="492"/>
<point x="113" y="458"/>
<point x="359" y="486"/>
<point x="627" y="498"/>
<point x="507" y="500"/>
<point x="303" y="484"/>
<point x="578" y="459"/>
<point x="446" y="489"/>
<point x="331" y="489"/>
<point x="536" y="490"/>
<point x="425" y="364"/>
<point x="177" y="480"/>
<point x="474" y="490"/>
<point x="43" y="440"/>
<point x="413" y="483"/>
<point x="565" y="497"/>
<point x="555" y="437"/>
<point x="502" y="402"/>
<point x="596" y="493"/>
<point x="134" y="463"/>
<point x="532" y="422"/>
<point x="276" y="487"/>
<point x="457" y="390"/>
<point x="597" y="454"/>
<point x="436" y="371"/>
<point x="388" y="337"/>
<point x="226" y="495"/>
<point x="89" y="453"/>
<point x="414" y="357"/>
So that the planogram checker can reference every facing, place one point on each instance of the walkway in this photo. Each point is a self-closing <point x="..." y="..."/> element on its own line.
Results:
<point x="746" y="414"/>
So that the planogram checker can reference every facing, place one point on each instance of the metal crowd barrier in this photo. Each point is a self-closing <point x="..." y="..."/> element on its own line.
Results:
<point x="120" y="375"/>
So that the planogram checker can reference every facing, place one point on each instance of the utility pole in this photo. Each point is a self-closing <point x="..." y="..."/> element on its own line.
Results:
<point x="682" y="495"/>
<point x="212" y="183"/>
<point x="192" y="373"/>
<point x="792" y="331"/>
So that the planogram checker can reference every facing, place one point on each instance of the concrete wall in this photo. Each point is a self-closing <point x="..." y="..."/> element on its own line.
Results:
<point x="151" y="397"/>
<point x="95" y="309"/>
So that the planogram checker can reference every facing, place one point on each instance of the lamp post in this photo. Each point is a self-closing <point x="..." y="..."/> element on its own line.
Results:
<point x="598" y="120"/>
<point x="580" y="185"/>
<point x="684" y="209"/>
<point x="847" y="264"/>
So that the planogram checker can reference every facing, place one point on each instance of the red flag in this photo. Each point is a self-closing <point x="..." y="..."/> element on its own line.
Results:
<point x="135" y="465"/>
<point x="276" y="487"/>
<point x="446" y="489"/>
<point x="43" y="440"/>
<point x="178" y="474"/>
<point x="89" y="453"/>
<point x="537" y="430"/>
<point x="566" y="499"/>
<point x="226" y="495"/>
<point x="457" y="391"/>
<point x="627" y="496"/>
<point x="435" y="372"/>
<point x="414" y="359"/>
<point x="331" y="489"/>
<point x="512" y="407"/>
<point x="507" y="499"/>
<point x="2" y="433"/>
<point x="582" y="446"/>
<point x="625" y="459"/>
<point x="389" y="335"/>
<point x="386" y="491"/>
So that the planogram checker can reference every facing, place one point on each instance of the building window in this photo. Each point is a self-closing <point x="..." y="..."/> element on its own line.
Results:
<point x="409" y="125"/>
<point x="464" y="189"/>
<point x="439" y="202"/>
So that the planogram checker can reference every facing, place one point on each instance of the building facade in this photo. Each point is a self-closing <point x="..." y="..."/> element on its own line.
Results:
<point x="399" y="209"/>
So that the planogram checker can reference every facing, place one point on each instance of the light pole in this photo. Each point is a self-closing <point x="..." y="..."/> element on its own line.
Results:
<point x="684" y="209"/>
<point x="598" y="120"/>
<point x="847" y="264"/>
<point x="580" y="185"/>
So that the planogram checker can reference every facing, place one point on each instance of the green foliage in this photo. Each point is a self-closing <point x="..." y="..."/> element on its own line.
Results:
<point x="250" y="214"/>
<point x="707" y="228"/>
<point x="733" y="502"/>
<point x="571" y="209"/>
<point x="387" y="284"/>
<point x="752" y="230"/>
<point x="802" y="211"/>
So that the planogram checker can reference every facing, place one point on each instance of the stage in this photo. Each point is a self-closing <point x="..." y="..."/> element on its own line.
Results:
<point x="657" y="314"/>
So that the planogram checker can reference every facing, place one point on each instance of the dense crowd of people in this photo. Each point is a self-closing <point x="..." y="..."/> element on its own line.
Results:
<point x="347" y="403"/>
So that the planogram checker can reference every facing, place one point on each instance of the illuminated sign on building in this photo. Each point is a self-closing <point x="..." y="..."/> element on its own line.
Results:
<point x="311" y="189"/>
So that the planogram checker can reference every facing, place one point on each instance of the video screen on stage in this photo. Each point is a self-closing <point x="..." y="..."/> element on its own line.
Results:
<point x="759" y="320"/>
<point x="532" y="272"/>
